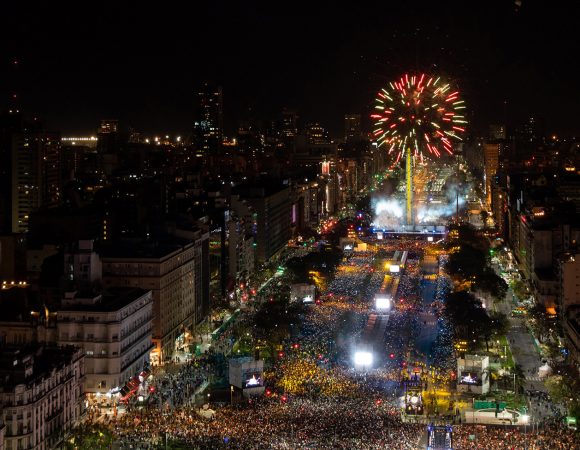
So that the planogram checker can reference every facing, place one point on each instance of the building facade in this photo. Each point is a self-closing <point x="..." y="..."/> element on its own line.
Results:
<point x="35" y="175"/>
<point x="40" y="395"/>
<point x="210" y="124"/>
<point x="115" y="331"/>
<point x="273" y="211"/>
<point x="177" y="274"/>
<point x="491" y="166"/>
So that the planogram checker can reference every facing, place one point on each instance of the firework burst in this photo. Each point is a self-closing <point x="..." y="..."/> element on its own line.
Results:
<point x="418" y="112"/>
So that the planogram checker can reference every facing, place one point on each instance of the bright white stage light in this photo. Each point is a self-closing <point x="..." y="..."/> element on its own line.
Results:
<point x="382" y="303"/>
<point x="363" y="359"/>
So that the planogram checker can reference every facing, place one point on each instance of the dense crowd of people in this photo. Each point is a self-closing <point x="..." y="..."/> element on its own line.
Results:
<point x="171" y="388"/>
<point x="299" y="423"/>
<point x="480" y="437"/>
<point x="315" y="399"/>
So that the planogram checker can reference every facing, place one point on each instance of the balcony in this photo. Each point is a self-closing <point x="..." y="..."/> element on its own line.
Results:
<point x="54" y="415"/>
<point x="19" y="433"/>
<point x="136" y="340"/>
<point x="147" y="350"/>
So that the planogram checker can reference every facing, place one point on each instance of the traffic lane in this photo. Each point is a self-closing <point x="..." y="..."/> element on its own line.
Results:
<point x="524" y="352"/>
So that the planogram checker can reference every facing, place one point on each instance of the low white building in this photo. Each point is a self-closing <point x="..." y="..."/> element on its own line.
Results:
<point x="246" y="374"/>
<point x="115" y="331"/>
<point x="303" y="292"/>
<point x="473" y="374"/>
<point x="41" y="391"/>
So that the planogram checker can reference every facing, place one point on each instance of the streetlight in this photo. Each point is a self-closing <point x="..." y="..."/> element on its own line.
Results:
<point x="525" y="419"/>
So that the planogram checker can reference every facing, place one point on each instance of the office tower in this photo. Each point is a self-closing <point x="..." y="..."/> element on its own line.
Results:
<point x="177" y="272"/>
<point x="30" y="171"/>
<point x="108" y="136"/>
<point x="352" y="128"/>
<point x="210" y="123"/>
<point x="288" y="125"/>
<point x="9" y="125"/>
<point x="316" y="134"/>
<point x="491" y="165"/>
<point x="271" y="203"/>
<point x="497" y="132"/>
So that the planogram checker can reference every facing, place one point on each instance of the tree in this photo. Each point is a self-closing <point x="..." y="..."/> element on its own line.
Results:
<point x="520" y="289"/>
<point x="484" y="215"/>
<point x="489" y="281"/>
<point x="90" y="437"/>
<point x="466" y="262"/>
<point x="499" y="322"/>
<point x="520" y="378"/>
<point x="540" y="321"/>
<point x="564" y="387"/>
<point x="273" y="319"/>
<point x="467" y="315"/>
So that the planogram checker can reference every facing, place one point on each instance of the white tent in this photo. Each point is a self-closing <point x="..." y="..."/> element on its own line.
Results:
<point x="206" y="412"/>
<point x="545" y="371"/>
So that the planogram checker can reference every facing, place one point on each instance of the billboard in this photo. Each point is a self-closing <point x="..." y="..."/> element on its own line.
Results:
<point x="303" y="292"/>
<point x="252" y="379"/>
<point x="394" y="268"/>
<point x="470" y="378"/>
<point x="246" y="373"/>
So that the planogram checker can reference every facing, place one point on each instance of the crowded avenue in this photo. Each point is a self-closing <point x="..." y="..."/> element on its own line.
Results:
<point x="369" y="365"/>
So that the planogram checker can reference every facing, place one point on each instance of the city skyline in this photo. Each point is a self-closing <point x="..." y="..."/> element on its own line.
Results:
<point x="285" y="225"/>
<point x="145" y="68"/>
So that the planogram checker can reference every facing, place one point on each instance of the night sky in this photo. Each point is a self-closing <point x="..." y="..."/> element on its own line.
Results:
<point x="144" y="65"/>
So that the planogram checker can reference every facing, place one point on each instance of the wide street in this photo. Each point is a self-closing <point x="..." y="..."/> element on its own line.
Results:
<point x="318" y="395"/>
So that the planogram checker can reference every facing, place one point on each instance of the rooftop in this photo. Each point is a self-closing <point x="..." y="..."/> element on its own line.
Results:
<point x="112" y="299"/>
<point x="262" y="188"/>
<point x="143" y="249"/>
<point x="26" y="364"/>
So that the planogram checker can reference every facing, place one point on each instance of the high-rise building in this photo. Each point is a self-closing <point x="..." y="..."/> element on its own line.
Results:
<point x="289" y="125"/>
<point x="177" y="273"/>
<point x="352" y="128"/>
<point x="108" y="136"/>
<point x="316" y="134"/>
<point x="209" y="127"/>
<point x="30" y="173"/>
<point x="9" y="124"/>
<point x="271" y="203"/>
<point x="497" y="132"/>
<point x="491" y="165"/>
